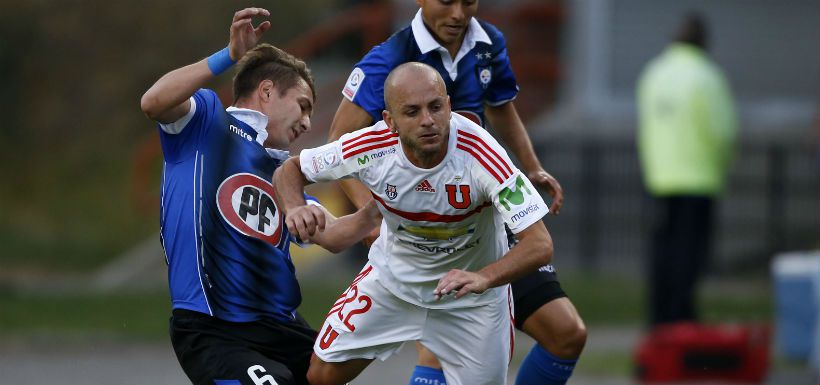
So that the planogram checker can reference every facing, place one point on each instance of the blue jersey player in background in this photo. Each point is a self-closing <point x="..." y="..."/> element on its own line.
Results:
<point x="471" y="56"/>
<point x="233" y="289"/>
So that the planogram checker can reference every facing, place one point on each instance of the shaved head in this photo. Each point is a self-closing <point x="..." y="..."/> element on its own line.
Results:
<point x="410" y="73"/>
<point x="418" y="109"/>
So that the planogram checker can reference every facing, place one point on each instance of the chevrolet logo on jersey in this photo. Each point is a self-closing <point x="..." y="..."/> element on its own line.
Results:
<point x="437" y="233"/>
<point x="514" y="195"/>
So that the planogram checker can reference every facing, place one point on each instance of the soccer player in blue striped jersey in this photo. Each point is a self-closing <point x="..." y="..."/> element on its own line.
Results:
<point x="232" y="283"/>
<point x="471" y="56"/>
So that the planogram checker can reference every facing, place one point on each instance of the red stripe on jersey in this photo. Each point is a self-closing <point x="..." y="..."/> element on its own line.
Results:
<point x="480" y="160"/>
<point x="428" y="216"/>
<point x="478" y="148"/>
<point x="369" y="140"/>
<point x="368" y="148"/>
<point x="369" y="133"/>
<point x="490" y="149"/>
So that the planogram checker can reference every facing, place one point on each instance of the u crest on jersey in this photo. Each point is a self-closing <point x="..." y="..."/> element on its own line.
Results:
<point x="453" y="198"/>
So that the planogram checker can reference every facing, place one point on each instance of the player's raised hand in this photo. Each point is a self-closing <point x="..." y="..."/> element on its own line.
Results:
<point x="243" y="34"/>
<point x="461" y="282"/>
<point x="304" y="221"/>
<point x="544" y="180"/>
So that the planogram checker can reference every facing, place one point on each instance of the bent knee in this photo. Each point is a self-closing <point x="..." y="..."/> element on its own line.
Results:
<point x="571" y="342"/>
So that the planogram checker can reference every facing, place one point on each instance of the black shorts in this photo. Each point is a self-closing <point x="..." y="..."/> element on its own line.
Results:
<point x="216" y="352"/>
<point x="534" y="290"/>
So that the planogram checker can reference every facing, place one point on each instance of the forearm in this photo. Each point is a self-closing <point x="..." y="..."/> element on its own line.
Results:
<point x="506" y="122"/>
<point x="290" y="183"/>
<point x="343" y="232"/>
<point x="173" y="89"/>
<point x="534" y="250"/>
<point x="356" y="191"/>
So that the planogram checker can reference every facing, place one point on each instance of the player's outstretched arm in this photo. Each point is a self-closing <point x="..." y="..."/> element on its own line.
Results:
<point x="168" y="99"/>
<point x="505" y="120"/>
<point x="533" y="251"/>
<point x="341" y="233"/>
<point x="350" y="117"/>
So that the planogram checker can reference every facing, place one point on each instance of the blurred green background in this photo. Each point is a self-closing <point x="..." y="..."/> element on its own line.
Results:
<point x="81" y="163"/>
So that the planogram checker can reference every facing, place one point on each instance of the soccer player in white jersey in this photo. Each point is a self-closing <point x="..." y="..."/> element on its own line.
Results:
<point x="439" y="273"/>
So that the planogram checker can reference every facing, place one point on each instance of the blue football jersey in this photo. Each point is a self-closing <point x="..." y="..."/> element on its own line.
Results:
<point x="225" y="241"/>
<point x="480" y="73"/>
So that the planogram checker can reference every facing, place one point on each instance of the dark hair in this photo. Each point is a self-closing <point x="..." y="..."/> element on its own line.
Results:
<point x="268" y="62"/>
<point x="693" y="30"/>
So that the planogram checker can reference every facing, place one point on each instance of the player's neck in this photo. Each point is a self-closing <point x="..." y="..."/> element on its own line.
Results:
<point x="426" y="159"/>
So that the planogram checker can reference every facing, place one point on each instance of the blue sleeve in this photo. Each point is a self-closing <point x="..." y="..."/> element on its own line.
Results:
<point x="178" y="147"/>
<point x="370" y="93"/>
<point x="503" y="87"/>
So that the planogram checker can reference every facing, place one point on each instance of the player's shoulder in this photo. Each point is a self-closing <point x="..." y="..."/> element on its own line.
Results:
<point x="480" y="148"/>
<point x="397" y="49"/>
<point x="466" y="130"/>
<point x="376" y="139"/>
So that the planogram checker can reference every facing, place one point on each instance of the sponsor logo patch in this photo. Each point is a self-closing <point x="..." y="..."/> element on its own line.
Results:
<point x="441" y="250"/>
<point x="247" y="203"/>
<point x="326" y="160"/>
<point x="425" y="186"/>
<point x="513" y="194"/>
<point x="353" y="82"/>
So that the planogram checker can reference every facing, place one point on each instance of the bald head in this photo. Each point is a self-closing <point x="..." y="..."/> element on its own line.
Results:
<point x="407" y="74"/>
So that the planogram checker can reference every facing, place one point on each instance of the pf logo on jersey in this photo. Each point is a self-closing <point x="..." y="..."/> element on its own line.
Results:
<point x="247" y="203"/>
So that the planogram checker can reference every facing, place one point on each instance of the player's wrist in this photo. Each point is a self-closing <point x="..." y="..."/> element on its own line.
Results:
<point x="220" y="61"/>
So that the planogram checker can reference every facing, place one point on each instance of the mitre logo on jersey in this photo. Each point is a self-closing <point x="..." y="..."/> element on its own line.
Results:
<point x="425" y="186"/>
<point x="513" y="194"/>
<point x="353" y="83"/>
<point x="391" y="191"/>
<point x="247" y="203"/>
<point x="238" y="131"/>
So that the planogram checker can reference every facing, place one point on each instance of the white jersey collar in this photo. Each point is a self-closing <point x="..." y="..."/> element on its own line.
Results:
<point x="426" y="42"/>
<point x="259" y="122"/>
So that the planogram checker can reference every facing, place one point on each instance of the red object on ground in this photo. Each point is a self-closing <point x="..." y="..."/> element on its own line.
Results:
<point x="690" y="351"/>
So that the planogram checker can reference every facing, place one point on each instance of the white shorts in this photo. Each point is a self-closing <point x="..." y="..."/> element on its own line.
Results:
<point x="473" y="344"/>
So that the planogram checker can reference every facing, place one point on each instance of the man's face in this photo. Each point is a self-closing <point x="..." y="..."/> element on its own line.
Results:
<point x="420" y="112"/>
<point x="448" y="19"/>
<point x="288" y="114"/>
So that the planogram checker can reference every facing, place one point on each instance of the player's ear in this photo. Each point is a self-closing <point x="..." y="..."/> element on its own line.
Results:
<point x="389" y="120"/>
<point x="265" y="89"/>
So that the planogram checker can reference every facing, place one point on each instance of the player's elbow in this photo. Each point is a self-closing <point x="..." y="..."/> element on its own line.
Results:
<point x="544" y="249"/>
<point x="150" y="106"/>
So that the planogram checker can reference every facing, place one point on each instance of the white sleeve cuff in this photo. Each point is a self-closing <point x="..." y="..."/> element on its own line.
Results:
<point x="176" y="127"/>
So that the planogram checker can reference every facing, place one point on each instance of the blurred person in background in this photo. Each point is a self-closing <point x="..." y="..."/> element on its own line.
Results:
<point x="232" y="284"/>
<point x="471" y="56"/>
<point x="686" y="140"/>
<point x="439" y="272"/>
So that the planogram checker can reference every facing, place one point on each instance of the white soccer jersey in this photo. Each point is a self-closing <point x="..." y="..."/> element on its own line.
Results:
<point x="447" y="217"/>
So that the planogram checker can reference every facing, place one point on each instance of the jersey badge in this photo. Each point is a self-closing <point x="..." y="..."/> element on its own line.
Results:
<point x="453" y="198"/>
<point x="325" y="160"/>
<point x="425" y="186"/>
<point x="353" y="82"/>
<point x="484" y="76"/>
<point x="247" y="203"/>
<point x="391" y="191"/>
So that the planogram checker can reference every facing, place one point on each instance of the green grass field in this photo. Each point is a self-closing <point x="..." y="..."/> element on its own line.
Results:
<point x="600" y="300"/>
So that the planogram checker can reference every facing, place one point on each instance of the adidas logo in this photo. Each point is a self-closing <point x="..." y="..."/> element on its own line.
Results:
<point x="425" y="186"/>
